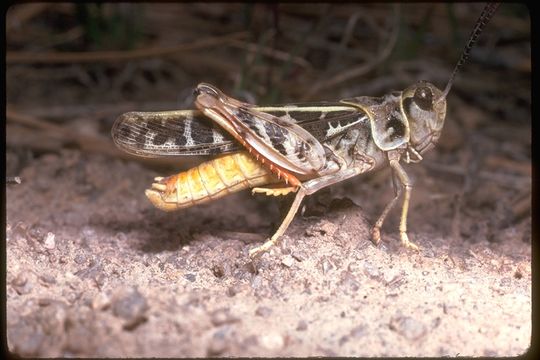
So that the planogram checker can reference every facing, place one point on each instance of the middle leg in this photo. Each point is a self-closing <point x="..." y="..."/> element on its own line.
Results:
<point x="307" y="188"/>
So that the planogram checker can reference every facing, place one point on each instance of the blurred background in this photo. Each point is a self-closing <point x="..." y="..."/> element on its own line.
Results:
<point x="71" y="69"/>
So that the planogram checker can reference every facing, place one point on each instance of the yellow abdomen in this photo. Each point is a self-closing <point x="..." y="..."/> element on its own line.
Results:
<point x="209" y="181"/>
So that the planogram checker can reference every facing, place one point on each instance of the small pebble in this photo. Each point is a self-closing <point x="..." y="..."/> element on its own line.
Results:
<point x="47" y="279"/>
<point x="217" y="346"/>
<point x="343" y="340"/>
<point x="35" y="232"/>
<point x="371" y="271"/>
<point x="49" y="242"/>
<point x="233" y="290"/>
<point x="25" y="341"/>
<point x="505" y="282"/>
<point x="218" y="271"/>
<point x="21" y="284"/>
<point x="326" y="266"/>
<point x="20" y="279"/>
<point x="101" y="301"/>
<point x="45" y="301"/>
<point x="299" y="255"/>
<point x="80" y="259"/>
<point x="327" y="228"/>
<point x="272" y="341"/>
<point x="222" y="316"/>
<point x="358" y="331"/>
<point x="408" y="327"/>
<point x="263" y="311"/>
<point x="288" y="261"/>
<point x="348" y="280"/>
<point x="302" y="325"/>
<point x="131" y="306"/>
<point x="389" y="275"/>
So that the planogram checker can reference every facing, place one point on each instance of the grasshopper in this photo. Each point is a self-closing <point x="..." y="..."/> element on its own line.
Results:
<point x="297" y="148"/>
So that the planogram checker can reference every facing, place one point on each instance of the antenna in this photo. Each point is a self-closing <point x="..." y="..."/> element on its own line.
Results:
<point x="484" y="18"/>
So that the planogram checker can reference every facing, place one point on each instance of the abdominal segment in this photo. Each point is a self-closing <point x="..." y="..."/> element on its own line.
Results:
<point x="209" y="181"/>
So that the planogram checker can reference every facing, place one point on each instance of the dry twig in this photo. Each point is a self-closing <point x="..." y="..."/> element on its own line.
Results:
<point x="116" y="56"/>
<point x="91" y="143"/>
<point x="87" y="142"/>
<point x="362" y="69"/>
<point x="20" y="14"/>
<point x="270" y="52"/>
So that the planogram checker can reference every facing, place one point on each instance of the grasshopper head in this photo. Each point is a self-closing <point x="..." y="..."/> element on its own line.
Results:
<point x="424" y="107"/>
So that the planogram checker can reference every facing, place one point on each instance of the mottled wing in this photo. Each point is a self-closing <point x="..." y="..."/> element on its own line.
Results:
<point x="170" y="133"/>
<point x="294" y="134"/>
<point x="189" y="132"/>
<point x="278" y="139"/>
<point x="323" y="120"/>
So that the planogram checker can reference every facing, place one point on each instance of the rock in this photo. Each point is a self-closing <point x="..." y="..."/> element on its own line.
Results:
<point x="326" y="265"/>
<point x="358" y="331"/>
<point x="272" y="341"/>
<point x="101" y="301"/>
<point x="130" y="305"/>
<point x="21" y="284"/>
<point x="288" y="261"/>
<point x="408" y="327"/>
<point x="302" y="325"/>
<point x="47" y="280"/>
<point x="25" y="339"/>
<point x="263" y="311"/>
<point x="218" y="345"/>
<point x="222" y="316"/>
<point x="49" y="242"/>
<point x="371" y="271"/>
<point x="349" y="281"/>
<point x="299" y="255"/>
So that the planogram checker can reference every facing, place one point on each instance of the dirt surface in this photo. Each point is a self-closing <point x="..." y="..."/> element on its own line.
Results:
<point x="94" y="270"/>
<point x="85" y="277"/>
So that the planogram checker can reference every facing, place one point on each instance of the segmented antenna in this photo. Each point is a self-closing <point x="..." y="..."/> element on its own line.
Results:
<point x="484" y="18"/>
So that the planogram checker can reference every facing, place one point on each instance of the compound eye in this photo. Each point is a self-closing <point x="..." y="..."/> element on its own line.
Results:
<point x="423" y="97"/>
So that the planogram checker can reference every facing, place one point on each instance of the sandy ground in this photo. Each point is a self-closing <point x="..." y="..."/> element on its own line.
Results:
<point x="94" y="270"/>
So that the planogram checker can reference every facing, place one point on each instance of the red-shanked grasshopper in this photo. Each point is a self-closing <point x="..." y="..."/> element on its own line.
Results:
<point x="298" y="148"/>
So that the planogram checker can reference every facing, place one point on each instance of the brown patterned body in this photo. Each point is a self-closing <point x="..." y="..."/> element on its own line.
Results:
<point x="209" y="181"/>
